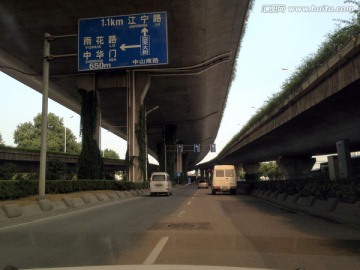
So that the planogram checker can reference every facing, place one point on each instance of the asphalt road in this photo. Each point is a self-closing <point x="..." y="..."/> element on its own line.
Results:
<point x="191" y="227"/>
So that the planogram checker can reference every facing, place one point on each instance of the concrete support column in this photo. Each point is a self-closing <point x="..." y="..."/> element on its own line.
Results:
<point x="88" y="83"/>
<point x="344" y="159"/>
<point x="251" y="170"/>
<point x="137" y="86"/>
<point x="97" y="135"/>
<point x="333" y="165"/>
<point x="184" y="168"/>
<point x="179" y="162"/>
<point x="296" y="168"/>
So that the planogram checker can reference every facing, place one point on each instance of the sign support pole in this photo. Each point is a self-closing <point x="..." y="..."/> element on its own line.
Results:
<point x="44" y="114"/>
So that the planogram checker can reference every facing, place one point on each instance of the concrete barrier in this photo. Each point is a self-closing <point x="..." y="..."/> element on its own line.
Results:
<point x="128" y="193"/>
<point x="86" y="198"/>
<point x="330" y="208"/>
<point x="292" y="198"/>
<point x="45" y="205"/>
<point x="68" y="202"/>
<point x="134" y="192"/>
<point x="37" y="208"/>
<point x="12" y="210"/>
<point x="121" y="194"/>
<point x="282" y="196"/>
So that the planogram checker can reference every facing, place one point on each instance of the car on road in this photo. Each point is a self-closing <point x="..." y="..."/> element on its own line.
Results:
<point x="160" y="183"/>
<point x="202" y="183"/>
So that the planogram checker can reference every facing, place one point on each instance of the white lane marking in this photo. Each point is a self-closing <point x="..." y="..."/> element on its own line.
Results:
<point x="181" y="213"/>
<point x="156" y="251"/>
<point x="193" y="198"/>
<point x="189" y="203"/>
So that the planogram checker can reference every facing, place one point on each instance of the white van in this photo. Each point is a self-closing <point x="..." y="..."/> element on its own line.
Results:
<point x="223" y="179"/>
<point x="160" y="183"/>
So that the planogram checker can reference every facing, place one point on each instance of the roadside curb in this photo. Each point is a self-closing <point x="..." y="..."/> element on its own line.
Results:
<point x="14" y="212"/>
<point x="331" y="209"/>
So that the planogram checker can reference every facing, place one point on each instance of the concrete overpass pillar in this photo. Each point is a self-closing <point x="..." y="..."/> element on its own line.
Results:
<point x="137" y="86"/>
<point x="179" y="162"/>
<point x="88" y="83"/>
<point x="251" y="171"/>
<point x="344" y="159"/>
<point x="296" y="168"/>
<point x="170" y="149"/>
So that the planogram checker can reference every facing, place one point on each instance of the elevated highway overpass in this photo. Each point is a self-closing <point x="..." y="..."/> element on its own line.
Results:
<point x="323" y="112"/>
<point x="29" y="161"/>
<point x="191" y="90"/>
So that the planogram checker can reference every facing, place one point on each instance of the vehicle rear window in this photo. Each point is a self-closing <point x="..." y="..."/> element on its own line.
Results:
<point x="219" y="173"/>
<point x="158" y="178"/>
<point x="229" y="173"/>
<point x="225" y="173"/>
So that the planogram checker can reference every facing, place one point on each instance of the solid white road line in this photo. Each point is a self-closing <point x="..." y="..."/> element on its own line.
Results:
<point x="156" y="251"/>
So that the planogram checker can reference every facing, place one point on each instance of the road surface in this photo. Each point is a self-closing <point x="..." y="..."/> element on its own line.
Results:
<point x="190" y="227"/>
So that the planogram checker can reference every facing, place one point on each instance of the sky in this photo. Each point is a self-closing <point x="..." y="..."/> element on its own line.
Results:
<point x="276" y="40"/>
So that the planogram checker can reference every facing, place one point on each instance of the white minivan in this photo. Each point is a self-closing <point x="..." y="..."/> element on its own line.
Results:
<point x="223" y="179"/>
<point x="160" y="183"/>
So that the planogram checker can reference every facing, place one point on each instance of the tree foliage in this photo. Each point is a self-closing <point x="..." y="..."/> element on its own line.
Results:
<point x="28" y="135"/>
<point x="270" y="170"/>
<point x="2" y="143"/>
<point x="108" y="153"/>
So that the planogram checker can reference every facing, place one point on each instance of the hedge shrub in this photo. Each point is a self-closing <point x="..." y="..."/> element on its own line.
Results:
<point x="15" y="189"/>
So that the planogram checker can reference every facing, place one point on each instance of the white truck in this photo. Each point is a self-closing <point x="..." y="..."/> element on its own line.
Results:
<point x="223" y="179"/>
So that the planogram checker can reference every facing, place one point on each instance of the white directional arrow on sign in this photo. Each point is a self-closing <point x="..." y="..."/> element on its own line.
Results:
<point x="123" y="47"/>
<point x="144" y="31"/>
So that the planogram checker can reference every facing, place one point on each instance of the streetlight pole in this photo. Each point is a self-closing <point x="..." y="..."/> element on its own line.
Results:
<point x="65" y="135"/>
<point x="145" y="139"/>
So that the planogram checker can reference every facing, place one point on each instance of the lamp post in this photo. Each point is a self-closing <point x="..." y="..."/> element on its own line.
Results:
<point x="65" y="136"/>
<point x="146" y="145"/>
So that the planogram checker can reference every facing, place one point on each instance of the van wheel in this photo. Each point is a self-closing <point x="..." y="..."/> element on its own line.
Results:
<point x="213" y="192"/>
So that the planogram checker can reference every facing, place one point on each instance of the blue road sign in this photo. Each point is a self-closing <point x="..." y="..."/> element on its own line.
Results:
<point x="122" y="41"/>
<point x="197" y="148"/>
<point x="180" y="148"/>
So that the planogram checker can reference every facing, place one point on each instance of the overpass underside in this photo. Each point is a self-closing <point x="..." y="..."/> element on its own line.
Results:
<point x="191" y="90"/>
<point x="325" y="110"/>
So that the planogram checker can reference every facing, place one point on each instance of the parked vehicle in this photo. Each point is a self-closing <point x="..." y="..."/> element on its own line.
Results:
<point x="223" y="179"/>
<point x="160" y="183"/>
<point x="202" y="183"/>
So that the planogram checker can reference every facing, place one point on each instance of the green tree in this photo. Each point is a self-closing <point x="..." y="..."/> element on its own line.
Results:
<point x="108" y="153"/>
<point x="7" y="171"/>
<point x="2" y="143"/>
<point x="28" y="135"/>
<point x="270" y="169"/>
